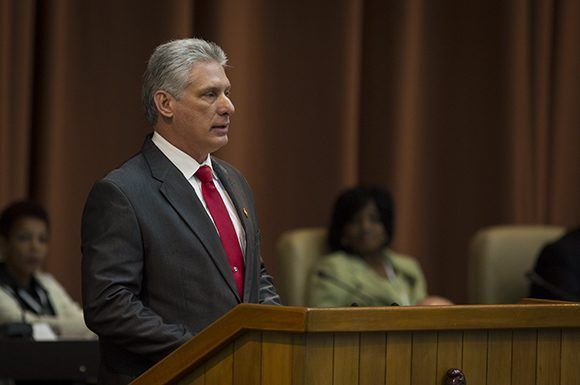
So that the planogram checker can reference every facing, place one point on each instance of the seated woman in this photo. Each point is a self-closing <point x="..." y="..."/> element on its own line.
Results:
<point x="26" y="293"/>
<point x="362" y="270"/>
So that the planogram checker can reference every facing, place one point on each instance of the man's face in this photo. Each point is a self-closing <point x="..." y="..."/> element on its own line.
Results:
<point x="201" y="115"/>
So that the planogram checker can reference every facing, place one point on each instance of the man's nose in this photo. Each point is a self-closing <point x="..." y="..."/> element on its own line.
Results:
<point x="226" y="106"/>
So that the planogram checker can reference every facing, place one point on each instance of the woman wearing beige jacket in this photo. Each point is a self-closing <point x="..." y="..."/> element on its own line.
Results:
<point x="26" y="293"/>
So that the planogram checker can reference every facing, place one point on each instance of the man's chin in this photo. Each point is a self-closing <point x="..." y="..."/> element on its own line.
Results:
<point x="219" y="141"/>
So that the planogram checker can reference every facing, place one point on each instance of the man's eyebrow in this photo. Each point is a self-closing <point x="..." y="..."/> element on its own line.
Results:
<point x="209" y="88"/>
<point x="215" y="88"/>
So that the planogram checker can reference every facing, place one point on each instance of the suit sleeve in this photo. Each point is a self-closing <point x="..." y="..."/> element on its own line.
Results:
<point x="267" y="292"/>
<point x="68" y="322"/>
<point x="112" y="277"/>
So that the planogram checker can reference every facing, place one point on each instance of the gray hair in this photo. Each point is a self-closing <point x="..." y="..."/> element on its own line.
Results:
<point x="170" y="66"/>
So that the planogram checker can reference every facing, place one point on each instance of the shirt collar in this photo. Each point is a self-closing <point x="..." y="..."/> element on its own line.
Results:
<point x="187" y="165"/>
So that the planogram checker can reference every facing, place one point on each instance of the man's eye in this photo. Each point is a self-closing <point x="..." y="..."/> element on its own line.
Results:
<point x="210" y="94"/>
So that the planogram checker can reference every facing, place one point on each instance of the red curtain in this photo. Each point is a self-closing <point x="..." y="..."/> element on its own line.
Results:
<point x="467" y="112"/>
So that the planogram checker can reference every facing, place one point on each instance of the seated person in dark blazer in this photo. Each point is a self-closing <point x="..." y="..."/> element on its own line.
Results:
<point x="556" y="274"/>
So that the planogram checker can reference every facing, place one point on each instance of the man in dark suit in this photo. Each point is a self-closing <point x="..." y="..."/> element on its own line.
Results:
<point x="168" y="248"/>
<point x="557" y="271"/>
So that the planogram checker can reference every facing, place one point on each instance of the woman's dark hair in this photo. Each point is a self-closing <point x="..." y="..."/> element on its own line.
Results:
<point x="350" y="202"/>
<point x="18" y="210"/>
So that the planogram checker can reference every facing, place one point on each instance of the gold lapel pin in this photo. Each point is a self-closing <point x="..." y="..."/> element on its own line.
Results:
<point x="245" y="210"/>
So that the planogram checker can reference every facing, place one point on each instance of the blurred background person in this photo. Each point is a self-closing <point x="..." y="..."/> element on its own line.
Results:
<point x="362" y="269"/>
<point x="556" y="274"/>
<point x="26" y="293"/>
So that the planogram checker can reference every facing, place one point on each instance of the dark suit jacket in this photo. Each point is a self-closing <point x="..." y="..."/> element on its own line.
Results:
<point x="558" y="268"/>
<point x="154" y="271"/>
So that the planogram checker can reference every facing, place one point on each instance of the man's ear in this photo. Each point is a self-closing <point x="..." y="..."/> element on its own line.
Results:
<point x="164" y="103"/>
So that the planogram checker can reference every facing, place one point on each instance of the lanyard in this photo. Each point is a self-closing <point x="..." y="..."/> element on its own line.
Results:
<point x="40" y="307"/>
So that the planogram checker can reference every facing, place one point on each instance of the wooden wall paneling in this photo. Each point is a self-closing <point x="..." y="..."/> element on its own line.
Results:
<point x="449" y="352"/>
<point x="219" y="369"/>
<point x="475" y="357"/>
<point x="276" y="358"/>
<point x="346" y="358"/>
<point x="499" y="359"/>
<point x="399" y="354"/>
<point x="424" y="359"/>
<point x="524" y="348"/>
<point x="196" y="377"/>
<point x="549" y="353"/>
<point x="248" y="359"/>
<point x="298" y="358"/>
<point x="373" y="347"/>
<point x="319" y="359"/>
<point x="570" y="354"/>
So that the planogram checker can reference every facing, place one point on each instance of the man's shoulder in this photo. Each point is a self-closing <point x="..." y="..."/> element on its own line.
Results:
<point x="132" y="167"/>
<point x="135" y="167"/>
<point x="132" y="178"/>
<point x="221" y="162"/>
<point x="224" y="166"/>
<point x="229" y="172"/>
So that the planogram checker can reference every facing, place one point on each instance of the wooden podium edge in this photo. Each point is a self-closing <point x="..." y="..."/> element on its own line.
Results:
<point x="456" y="317"/>
<point x="221" y="332"/>
<point x="527" y="314"/>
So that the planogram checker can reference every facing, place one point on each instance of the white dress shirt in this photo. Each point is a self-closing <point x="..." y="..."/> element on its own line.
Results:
<point x="188" y="167"/>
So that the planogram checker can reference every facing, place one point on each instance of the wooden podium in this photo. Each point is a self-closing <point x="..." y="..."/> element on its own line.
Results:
<point x="531" y="343"/>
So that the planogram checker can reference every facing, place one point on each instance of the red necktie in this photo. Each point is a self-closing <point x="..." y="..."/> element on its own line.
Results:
<point x="224" y="225"/>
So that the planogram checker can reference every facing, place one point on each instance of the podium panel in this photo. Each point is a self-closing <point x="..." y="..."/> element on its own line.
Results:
<point x="501" y="344"/>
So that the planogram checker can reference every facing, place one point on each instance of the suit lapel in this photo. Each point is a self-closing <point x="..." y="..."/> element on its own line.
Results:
<point x="181" y="196"/>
